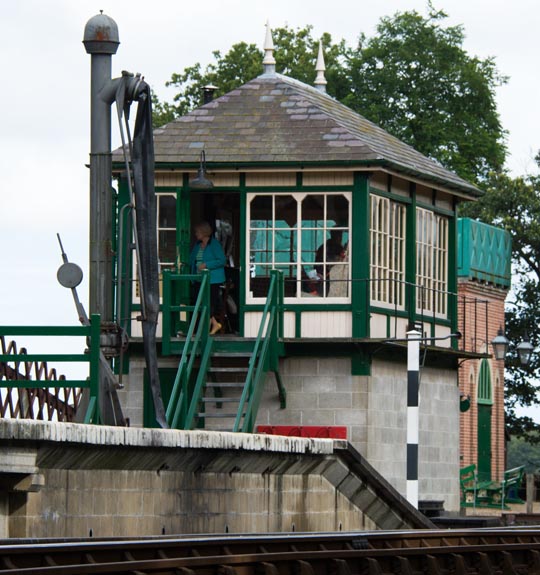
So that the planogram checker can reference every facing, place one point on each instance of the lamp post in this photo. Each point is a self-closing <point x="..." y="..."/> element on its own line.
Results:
<point x="500" y="345"/>
<point x="525" y="349"/>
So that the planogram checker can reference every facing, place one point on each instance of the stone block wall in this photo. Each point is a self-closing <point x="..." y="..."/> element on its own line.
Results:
<point x="107" y="503"/>
<point x="92" y="481"/>
<point x="322" y="391"/>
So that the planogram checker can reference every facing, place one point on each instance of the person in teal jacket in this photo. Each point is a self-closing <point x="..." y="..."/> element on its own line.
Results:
<point x="207" y="254"/>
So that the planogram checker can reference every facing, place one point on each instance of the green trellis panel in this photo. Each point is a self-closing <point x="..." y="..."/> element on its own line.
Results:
<point x="484" y="252"/>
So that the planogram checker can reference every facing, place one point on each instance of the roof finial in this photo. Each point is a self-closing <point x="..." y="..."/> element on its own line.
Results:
<point x="269" y="62"/>
<point x="320" y="80"/>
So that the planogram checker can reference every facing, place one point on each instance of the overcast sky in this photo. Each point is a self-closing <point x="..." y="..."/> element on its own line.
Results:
<point x="44" y="135"/>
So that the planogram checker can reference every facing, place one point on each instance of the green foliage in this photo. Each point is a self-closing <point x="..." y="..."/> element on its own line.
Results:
<point x="295" y="56"/>
<point x="523" y="452"/>
<point x="415" y="80"/>
<point x="162" y="112"/>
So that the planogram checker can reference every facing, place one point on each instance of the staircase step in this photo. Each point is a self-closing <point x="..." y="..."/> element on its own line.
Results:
<point x="223" y="415"/>
<point x="229" y="384"/>
<point x="233" y="354"/>
<point x="220" y="399"/>
<point x="219" y="369"/>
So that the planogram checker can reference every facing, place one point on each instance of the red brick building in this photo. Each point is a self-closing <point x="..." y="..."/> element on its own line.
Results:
<point x="483" y="283"/>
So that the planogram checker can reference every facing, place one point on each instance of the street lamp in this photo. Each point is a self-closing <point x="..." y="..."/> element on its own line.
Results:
<point x="525" y="349"/>
<point x="200" y="181"/>
<point x="500" y="345"/>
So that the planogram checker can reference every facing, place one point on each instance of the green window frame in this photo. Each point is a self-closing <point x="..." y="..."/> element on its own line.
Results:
<point x="387" y="251"/>
<point x="431" y="262"/>
<point x="484" y="389"/>
<point x="305" y="235"/>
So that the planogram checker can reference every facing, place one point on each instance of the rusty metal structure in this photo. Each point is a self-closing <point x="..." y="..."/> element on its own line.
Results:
<point x="40" y="403"/>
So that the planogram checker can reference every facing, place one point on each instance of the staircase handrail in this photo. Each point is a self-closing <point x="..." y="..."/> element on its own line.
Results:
<point x="265" y="354"/>
<point x="197" y="341"/>
<point x="92" y="333"/>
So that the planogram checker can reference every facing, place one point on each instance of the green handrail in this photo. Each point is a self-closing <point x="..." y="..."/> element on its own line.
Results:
<point x="197" y="343"/>
<point x="92" y="332"/>
<point x="265" y="354"/>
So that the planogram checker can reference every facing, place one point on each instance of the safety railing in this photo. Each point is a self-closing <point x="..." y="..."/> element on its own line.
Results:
<point x="265" y="355"/>
<point x="422" y="304"/>
<point x="185" y="395"/>
<point x="15" y="367"/>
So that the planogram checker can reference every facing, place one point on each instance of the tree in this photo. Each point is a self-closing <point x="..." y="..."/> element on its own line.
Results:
<point x="514" y="204"/>
<point x="521" y="452"/>
<point x="295" y="57"/>
<point x="415" y="80"/>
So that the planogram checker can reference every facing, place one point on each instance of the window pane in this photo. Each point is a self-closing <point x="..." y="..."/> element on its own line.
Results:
<point x="337" y="210"/>
<point x="261" y="211"/>
<point x="313" y="211"/>
<point x="259" y="280"/>
<point x="304" y="249"/>
<point x="166" y="211"/>
<point x="285" y="248"/>
<point x="387" y="266"/>
<point x="286" y="211"/>
<point x="431" y="262"/>
<point x="289" y="279"/>
<point x="311" y="240"/>
<point x="167" y="246"/>
<point x="338" y="280"/>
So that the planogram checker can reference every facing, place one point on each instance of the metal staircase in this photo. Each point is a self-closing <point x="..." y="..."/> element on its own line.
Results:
<point x="219" y="385"/>
<point x="225" y="381"/>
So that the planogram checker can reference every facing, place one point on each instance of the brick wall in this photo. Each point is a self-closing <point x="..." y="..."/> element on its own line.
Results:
<point x="480" y="324"/>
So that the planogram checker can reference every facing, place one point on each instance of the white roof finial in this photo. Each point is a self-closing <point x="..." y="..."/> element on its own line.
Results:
<point x="269" y="62"/>
<point x="320" y="80"/>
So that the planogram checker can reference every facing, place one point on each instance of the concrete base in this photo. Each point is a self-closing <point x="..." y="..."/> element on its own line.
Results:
<point x="112" y="482"/>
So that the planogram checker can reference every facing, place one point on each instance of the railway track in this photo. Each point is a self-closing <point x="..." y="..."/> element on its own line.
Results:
<point x="505" y="551"/>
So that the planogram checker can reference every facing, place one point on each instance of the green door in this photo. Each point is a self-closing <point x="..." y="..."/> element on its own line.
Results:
<point x="484" y="402"/>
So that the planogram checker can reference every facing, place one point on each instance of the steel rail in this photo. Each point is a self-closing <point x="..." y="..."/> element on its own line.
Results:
<point x="510" y="551"/>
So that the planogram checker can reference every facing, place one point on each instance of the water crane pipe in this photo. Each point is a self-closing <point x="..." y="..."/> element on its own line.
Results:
<point x="101" y="42"/>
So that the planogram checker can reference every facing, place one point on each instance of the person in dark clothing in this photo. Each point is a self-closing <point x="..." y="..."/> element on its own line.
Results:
<point x="330" y="251"/>
<point x="207" y="254"/>
<point x="334" y="251"/>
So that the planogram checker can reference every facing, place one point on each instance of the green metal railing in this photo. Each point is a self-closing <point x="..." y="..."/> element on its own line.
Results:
<point x="185" y="395"/>
<point x="265" y="355"/>
<point x="92" y="332"/>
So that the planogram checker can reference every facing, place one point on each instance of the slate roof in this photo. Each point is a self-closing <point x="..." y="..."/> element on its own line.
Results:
<point x="275" y="119"/>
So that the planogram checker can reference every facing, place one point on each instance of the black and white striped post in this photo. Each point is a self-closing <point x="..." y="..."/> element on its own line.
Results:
<point x="413" y="383"/>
